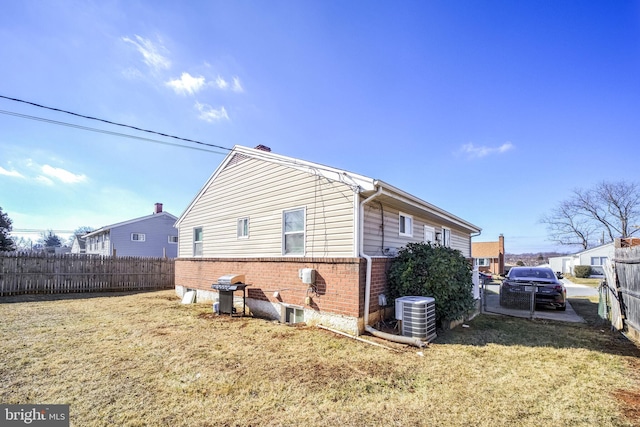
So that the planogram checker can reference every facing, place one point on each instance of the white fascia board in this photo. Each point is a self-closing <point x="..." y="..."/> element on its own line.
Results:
<point x="428" y="207"/>
<point x="606" y="247"/>
<point x="361" y="182"/>
<point x="205" y="186"/>
<point x="340" y="175"/>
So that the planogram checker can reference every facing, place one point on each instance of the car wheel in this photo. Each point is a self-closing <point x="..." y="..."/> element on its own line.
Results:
<point x="502" y="300"/>
<point x="563" y="307"/>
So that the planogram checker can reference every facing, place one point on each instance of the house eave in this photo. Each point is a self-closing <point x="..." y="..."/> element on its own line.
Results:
<point x="417" y="203"/>
<point x="359" y="183"/>
<point x="120" y="224"/>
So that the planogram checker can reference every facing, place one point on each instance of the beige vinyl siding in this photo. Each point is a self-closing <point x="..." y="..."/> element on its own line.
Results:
<point x="373" y="238"/>
<point x="461" y="242"/>
<point x="260" y="191"/>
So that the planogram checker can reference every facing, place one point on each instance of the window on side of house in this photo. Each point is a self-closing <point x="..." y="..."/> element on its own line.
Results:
<point x="405" y="225"/>
<point x="446" y="237"/>
<point x="429" y="234"/>
<point x="293" y="232"/>
<point x="138" y="237"/>
<point x="243" y="228"/>
<point x="197" y="241"/>
<point x="598" y="260"/>
<point x="173" y="239"/>
<point x="483" y="262"/>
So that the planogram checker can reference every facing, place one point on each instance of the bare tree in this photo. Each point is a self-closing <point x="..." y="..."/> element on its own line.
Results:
<point x="568" y="226"/>
<point x="610" y="208"/>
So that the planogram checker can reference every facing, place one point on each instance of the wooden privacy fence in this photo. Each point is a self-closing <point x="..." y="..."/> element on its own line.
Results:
<point x="28" y="273"/>
<point x="627" y="265"/>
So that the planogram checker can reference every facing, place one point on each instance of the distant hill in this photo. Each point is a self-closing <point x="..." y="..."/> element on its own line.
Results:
<point x="531" y="259"/>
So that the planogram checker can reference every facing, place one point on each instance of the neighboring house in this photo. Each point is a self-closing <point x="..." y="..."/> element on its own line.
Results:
<point x="149" y="236"/>
<point x="595" y="257"/>
<point x="267" y="216"/>
<point x="79" y="244"/>
<point x="488" y="257"/>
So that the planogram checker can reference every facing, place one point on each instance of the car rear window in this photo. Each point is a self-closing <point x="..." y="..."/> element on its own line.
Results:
<point x="541" y="273"/>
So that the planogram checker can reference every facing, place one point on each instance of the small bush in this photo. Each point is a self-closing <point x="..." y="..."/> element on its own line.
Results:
<point x="582" y="271"/>
<point x="439" y="272"/>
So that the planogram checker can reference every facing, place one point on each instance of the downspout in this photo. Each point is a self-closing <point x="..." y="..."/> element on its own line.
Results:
<point x="367" y="292"/>
<point x="471" y="236"/>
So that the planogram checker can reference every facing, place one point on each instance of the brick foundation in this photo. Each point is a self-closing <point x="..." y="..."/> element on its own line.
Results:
<point x="339" y="288"/>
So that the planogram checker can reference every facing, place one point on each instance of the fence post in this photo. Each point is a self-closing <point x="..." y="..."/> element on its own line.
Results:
<point x="532" y="302"/>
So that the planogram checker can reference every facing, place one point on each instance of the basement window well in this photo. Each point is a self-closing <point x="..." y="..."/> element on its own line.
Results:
<point x="292" y="314"/>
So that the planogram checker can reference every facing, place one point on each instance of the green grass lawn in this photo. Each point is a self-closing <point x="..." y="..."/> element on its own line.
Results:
<point x="146" y="360"/>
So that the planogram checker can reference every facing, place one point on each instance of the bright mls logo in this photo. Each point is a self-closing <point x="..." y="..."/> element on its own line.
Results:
<point x="34" y="415"/>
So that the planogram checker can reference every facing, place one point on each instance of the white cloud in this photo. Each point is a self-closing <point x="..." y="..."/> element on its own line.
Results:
<point x="221" y="83"/>
<point x="12" y="173"/>
<point x="44" y="180"/>
<point x="234" y="85"/>
<point x="210" y="114"/>
<point x="186" y="84"/>
<point x="62" y="175"/>
<point x="237" y="86"/>
<point x="477" y="152"/>
<point x="505" y="147"/>
<point x="151" y="53"/>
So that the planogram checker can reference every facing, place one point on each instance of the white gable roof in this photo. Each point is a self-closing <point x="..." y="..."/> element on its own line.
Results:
<point x="359" y="183"/>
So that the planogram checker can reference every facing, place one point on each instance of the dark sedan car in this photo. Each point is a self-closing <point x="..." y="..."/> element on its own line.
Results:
<point x="517" y="285"/>
<point x="486" y="277"/>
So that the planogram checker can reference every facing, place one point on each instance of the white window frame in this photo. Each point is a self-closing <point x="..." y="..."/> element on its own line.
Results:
<point x="198" y="244"/>
<point x="483" y="262"/>
<point x="290" y="233"/>
<point x="446" y="237"/>
<point x="602" y="260"/>
<point x="405" y="221"/>
<point x="172" y="239"/>
<point x="242" y="229"/>
<point x="429" y="231"/>
<point x="137" y="237"/>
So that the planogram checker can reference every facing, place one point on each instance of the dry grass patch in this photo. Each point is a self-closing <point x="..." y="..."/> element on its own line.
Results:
<point x="592" y="282"/>
<point x="145" y="359"/>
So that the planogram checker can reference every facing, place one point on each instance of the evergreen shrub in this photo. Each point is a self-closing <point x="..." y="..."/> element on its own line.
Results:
<point x="582" y="271"/>
<point x="422" y="269"/>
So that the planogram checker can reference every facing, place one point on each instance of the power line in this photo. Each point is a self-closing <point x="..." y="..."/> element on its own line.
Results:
<point x="39" y="231"/>
<point x="111" y="123"/>
<point x="125" y="135"/>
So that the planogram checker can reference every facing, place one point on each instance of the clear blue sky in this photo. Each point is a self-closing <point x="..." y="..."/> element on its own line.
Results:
<point x="491" y="110"/>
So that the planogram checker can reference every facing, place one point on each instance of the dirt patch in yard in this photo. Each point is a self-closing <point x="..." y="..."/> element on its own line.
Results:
<point x="630" y="404"/>
<point x="147" y="359"/>
<point x="630" y="399"/>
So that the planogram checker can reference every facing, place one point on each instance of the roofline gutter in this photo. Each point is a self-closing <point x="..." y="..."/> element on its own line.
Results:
<point x="399" y="194"/>
<point x="367" y="293"/>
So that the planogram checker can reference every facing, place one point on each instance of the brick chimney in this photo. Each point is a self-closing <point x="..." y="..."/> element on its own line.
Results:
<point x="263" y="148"/>
<point x="158" y="208"/>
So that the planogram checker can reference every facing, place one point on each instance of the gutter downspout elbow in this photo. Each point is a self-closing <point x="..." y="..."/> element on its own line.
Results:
<point x="367" y="293"/>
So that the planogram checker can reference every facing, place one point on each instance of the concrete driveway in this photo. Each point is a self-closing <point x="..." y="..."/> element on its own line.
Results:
<point x="574" y="290"/>
<point x="492" y="305"/>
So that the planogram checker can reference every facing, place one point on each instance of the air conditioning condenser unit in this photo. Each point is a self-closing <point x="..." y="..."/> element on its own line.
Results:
<point x="417" y="316"/>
